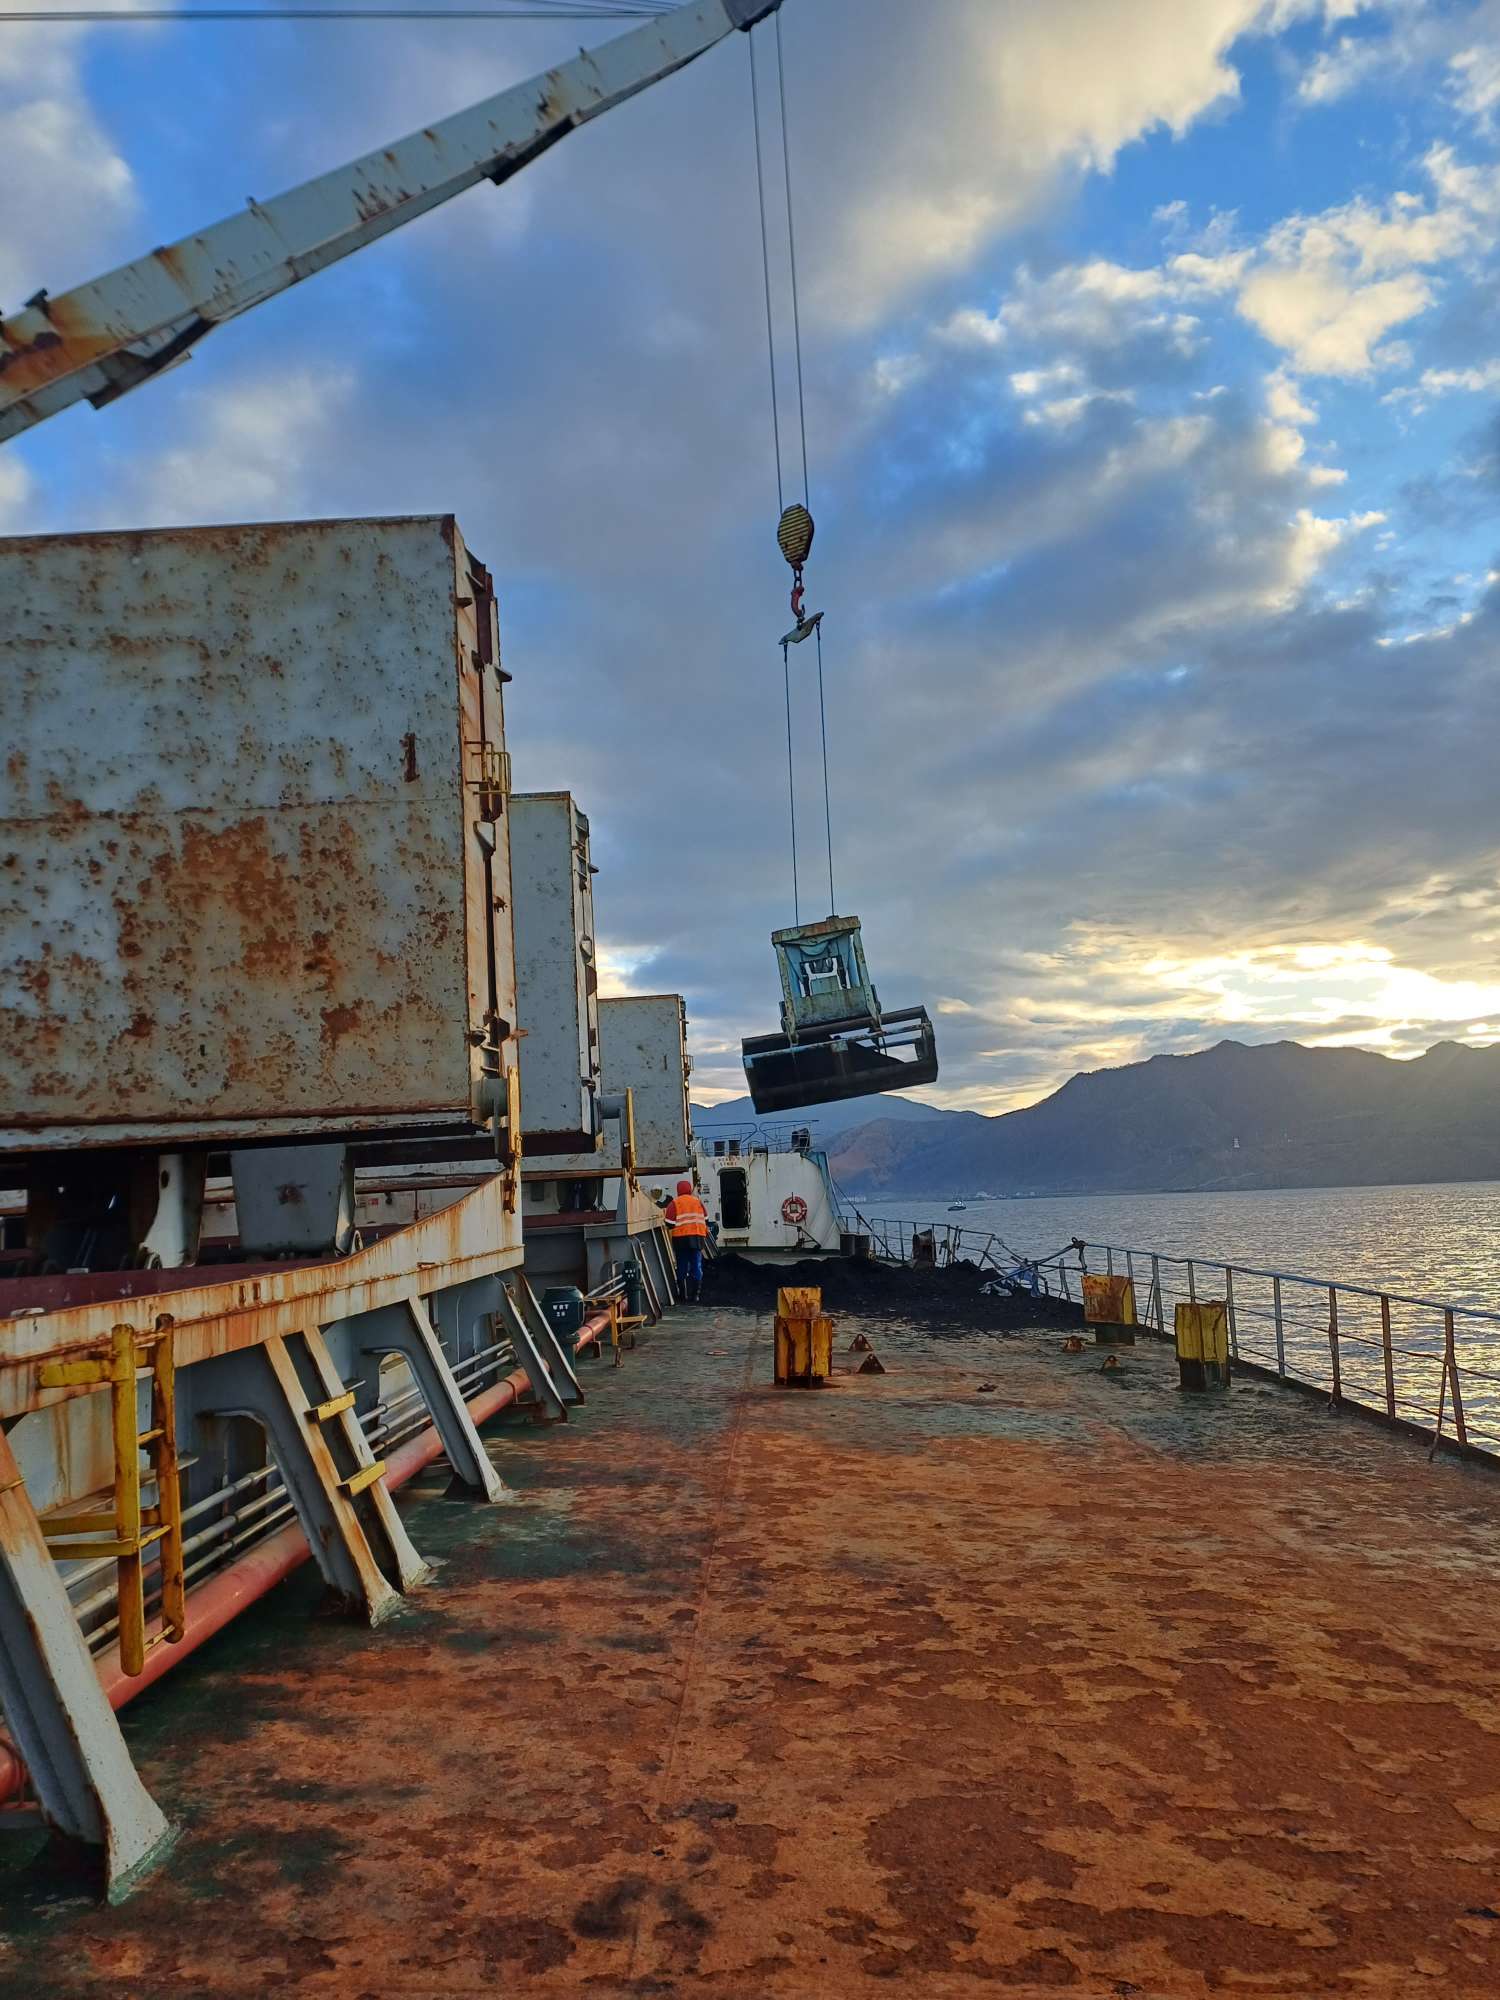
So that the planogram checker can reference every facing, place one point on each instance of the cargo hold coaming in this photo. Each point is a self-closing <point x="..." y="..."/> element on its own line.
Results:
<point x="241" y="899"/>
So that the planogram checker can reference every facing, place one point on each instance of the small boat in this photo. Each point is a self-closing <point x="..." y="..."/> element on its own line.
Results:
<point x="954" y="1207"/>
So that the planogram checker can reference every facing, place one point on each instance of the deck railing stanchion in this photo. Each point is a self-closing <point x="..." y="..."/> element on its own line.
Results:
<point x="1192" y="1283"/>
<point x="1109" y="1260"/>
<point x="1280" y="1326"/>
<point x="1450" y="1362"/>
<point x="1385" y="1349"/>
<point x="1161" y="1324"/>
<point x="1333" y="1342"/>
<point x="1234" y="1332"/>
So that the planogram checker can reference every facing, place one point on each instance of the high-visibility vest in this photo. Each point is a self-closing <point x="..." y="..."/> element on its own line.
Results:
<point x="687" y="1216"/>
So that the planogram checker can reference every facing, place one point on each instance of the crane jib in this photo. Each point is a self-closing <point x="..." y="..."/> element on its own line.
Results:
<point x="113" y="334"/>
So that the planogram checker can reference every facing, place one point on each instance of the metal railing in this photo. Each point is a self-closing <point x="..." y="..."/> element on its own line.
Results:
<point x="1416" y="1361"/>
<point x="943" y="1244"/>
<point x="1426" y="1364"/>
<point x="796" y="1136"/>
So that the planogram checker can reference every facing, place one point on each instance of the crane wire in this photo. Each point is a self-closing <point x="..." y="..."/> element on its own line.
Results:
<point x="827" y="806"/>
<point x="534" y="10"/>
<point x="765" y="261"/>
<point x="765" y="258"/>
<point x="791" y="782"/>
<point x="791" y="238"/>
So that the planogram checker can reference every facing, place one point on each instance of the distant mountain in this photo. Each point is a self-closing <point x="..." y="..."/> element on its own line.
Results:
<point x="1278" y="1115"/>
<point x="827" y="1120"/>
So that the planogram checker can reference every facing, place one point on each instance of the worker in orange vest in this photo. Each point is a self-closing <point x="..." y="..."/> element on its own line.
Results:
<point x="689" y="1222"/>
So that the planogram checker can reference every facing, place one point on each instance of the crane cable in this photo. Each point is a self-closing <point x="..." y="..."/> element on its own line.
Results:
<point x="765" y="245"/>
<point x="765" y="258"/>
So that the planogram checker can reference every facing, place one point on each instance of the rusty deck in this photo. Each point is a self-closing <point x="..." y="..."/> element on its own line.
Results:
<point x="1065" y="1684"/>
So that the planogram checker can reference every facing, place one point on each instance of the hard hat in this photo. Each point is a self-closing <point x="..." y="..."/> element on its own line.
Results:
<point x="684" y="1187"/>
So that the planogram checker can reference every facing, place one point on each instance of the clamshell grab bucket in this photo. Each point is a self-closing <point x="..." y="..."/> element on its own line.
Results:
<point x="835" y="1042"/>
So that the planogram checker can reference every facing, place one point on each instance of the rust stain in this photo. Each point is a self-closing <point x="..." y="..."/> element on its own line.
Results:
<point x="167" y="255"/>
<point x="339" y="1021"/>
<point x="72" y="341"/>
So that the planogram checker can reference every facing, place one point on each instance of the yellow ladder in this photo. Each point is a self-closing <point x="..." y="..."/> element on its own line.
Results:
<point x="131" y="1528"/>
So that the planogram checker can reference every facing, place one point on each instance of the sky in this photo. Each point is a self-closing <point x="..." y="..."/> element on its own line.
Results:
<point x="1152" y="376"/>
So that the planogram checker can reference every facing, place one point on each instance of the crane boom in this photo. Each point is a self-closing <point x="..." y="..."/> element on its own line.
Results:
<point x="106" y="337"/>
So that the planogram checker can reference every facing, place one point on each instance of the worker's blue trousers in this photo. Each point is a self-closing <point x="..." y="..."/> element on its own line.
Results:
<point x="689" y="1261"/>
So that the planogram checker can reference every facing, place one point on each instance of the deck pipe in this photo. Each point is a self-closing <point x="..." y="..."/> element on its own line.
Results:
<point x="222" y="1597"/>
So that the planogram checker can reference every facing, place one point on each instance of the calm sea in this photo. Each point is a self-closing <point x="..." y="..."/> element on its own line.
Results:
<point x="1438" y="1242"/>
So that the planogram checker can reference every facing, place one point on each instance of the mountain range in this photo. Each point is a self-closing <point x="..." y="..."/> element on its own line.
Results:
<point x="1272" y="1115"/>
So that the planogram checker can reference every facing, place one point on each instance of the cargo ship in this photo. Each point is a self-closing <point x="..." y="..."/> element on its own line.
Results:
<point x="401" y="1590"/>
<point x="335" y="1281"/>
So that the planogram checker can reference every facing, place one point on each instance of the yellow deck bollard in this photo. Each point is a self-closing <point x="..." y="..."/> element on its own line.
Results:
<point x="1202" y="1328"/>
<point x="804" y="1338"/>
<point x="1109" y="1308"/>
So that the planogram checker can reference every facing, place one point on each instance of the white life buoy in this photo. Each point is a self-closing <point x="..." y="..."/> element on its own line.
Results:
<point x="794" y="1210"/>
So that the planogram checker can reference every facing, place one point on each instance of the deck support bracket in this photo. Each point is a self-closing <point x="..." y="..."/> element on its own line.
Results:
<point x="291" y="1387"/>
<point x="407" y="1330"/>
<point x="658" y="1244"/>
<point x="63" y="1725"/>
<point x="538" y="1352"/>
<point x="558" y="1358"/>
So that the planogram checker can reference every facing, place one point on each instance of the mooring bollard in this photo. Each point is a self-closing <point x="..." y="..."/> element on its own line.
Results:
<point x="1109" y="1308"/>
<point x="1202" y="1327"/>
<point x="804" y="1338"/>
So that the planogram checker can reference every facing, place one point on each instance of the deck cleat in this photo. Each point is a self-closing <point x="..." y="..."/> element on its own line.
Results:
<point x="835" y="1042"/>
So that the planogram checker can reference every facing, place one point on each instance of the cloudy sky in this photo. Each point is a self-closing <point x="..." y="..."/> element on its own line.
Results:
<point x="1153" y="383"/>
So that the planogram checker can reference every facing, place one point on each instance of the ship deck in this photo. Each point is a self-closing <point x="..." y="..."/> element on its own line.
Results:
<point x="1067" y="1683"/>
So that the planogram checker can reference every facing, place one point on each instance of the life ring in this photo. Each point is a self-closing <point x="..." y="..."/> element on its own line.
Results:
<point x="794" y="1210"/>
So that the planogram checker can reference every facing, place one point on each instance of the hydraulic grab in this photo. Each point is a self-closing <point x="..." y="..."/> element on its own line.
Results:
<point x="101" y="339"/>
<point x="835" y="1042"/>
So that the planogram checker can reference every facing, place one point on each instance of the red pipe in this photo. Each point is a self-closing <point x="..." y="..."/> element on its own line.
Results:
<point x="222" y="1597"/>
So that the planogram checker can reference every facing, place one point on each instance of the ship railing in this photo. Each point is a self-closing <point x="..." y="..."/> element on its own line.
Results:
<point x="758" y="1138"/>
<point x="900" y="1241"/>
<point x="1430" y="1366"/>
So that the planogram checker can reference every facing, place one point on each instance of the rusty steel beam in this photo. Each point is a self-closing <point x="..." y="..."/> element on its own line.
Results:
<point x="101" y="339"/>
<point x="85" y="1783"/>
<point x="220" y="1317"/>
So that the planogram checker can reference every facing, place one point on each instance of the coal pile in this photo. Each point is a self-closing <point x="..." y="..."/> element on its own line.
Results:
<point x="950" y="1294"/>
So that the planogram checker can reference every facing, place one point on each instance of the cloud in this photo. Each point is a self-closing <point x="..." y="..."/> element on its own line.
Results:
<point x="15" y="491"/>
<point x="66" y="186"/>
<point x="1032" y="96"/>
<point x="1459" y="44"/>
<point x="1329" y="325"/>
<point x="1478" y="380"/>
<point x="1328" y="288"/>
<point x="253" y="448"/>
